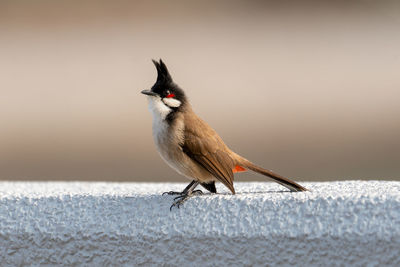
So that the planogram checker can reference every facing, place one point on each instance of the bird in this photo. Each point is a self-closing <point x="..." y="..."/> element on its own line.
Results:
<point x="190" y="146"/>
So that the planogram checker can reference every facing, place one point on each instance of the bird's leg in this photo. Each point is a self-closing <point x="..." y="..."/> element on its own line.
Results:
<point x="187" y="188"/>
<point x="185" y="194"/>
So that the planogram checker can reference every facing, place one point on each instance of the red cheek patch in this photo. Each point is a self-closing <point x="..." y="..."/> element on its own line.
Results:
<point x="170" y="95"/>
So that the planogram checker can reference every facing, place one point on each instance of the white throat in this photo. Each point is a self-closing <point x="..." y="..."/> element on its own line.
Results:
<point x="158" y="108"/>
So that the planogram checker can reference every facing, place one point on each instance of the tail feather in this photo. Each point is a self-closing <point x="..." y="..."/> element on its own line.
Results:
<point x="292" y="185"/>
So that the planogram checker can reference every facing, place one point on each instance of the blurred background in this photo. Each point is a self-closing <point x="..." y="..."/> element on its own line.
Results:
<point x="309" y="89"/>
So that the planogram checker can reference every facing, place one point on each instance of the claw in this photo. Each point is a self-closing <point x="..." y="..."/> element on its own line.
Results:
<point x="184" y="195"/>
<point x="175" y="198"/>
<point x="178" y="201"/>
<point x="173" y="205"/>
<point x="176" y="204"/>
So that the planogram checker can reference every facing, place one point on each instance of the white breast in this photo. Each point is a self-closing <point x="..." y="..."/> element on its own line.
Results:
<point x="159" y="112"/>
<point x="167" y="138"/>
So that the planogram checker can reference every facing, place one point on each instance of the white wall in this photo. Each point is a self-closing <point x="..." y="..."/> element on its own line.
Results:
<point x="338" y="223"/>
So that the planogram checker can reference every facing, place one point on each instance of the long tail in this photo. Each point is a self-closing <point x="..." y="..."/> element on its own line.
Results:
<point x="292" y="185"/>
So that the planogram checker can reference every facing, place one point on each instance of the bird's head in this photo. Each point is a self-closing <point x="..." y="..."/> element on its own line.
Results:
<point x="165" y="96"/>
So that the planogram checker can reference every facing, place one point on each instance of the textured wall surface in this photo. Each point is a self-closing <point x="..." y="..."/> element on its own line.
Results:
<point x="337" y="223"/>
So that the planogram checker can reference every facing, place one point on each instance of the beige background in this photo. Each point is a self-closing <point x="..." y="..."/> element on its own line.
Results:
<point x="308" y="89"/>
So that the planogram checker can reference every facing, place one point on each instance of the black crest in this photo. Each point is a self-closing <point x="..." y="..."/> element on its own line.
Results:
<point x="163" y="76"/>
<point x="165" y="86"/>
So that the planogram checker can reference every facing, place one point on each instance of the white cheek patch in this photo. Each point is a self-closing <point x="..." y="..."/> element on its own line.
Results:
<point x="158" y="108"/>
<point x="172" y="102"/>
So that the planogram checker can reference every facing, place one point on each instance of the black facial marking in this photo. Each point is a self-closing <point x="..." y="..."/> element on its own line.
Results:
<point x="171" y="116"/>
<point x="165" y="86"/>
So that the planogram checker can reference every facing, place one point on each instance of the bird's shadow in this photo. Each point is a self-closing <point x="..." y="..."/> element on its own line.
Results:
<point x="241" y="193"/>
<point x="251" y="193"/>
<point x="244" y="193"/>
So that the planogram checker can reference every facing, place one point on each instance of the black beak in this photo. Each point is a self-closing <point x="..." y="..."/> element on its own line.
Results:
<point x="148" y="92"/>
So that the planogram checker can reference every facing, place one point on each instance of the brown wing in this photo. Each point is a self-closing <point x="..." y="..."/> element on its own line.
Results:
<point x="203" y="145"/>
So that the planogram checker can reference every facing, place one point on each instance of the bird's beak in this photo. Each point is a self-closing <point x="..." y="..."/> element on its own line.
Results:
<point x="148" y="92"/>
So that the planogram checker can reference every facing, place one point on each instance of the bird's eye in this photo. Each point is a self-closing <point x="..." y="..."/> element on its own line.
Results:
<point x="169" y="95"/>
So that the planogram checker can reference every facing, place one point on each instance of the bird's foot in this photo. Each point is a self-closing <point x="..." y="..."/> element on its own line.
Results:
<point x="178" y="201"/>
<point x="171" y="193"/>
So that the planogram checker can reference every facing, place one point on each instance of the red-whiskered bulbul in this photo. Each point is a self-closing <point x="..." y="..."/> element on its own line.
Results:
<point x="190" y="146"/>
